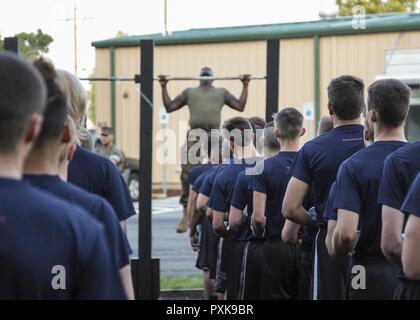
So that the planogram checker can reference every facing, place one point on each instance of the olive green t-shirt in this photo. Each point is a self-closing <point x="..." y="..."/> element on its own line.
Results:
<point x="205" y="105"/>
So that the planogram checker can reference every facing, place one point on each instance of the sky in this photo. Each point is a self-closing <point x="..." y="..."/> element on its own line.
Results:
<point x="102" y="19"/>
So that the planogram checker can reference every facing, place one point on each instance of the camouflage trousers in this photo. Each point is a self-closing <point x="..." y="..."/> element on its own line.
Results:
<point x="188" y="163"/>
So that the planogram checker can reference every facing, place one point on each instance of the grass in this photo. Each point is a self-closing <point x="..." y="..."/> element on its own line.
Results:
<point x="181" y="282"/>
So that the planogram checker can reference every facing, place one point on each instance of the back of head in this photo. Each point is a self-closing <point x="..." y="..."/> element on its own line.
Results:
<point x="75" y="94"/>
<point x="390" y="98"/>
<point x="206" y="72"/>
<point x="346" y="97"/>
<point x="289" y="123"/>
<point x="326" y="124"/>
<point x="239" y="131"/>
<point x="22" y="94"/>
<point x="215" y="147"/>
<point x="55" y="114"/>
<point x="257" y="122"/>
<point x="270" y="140"/>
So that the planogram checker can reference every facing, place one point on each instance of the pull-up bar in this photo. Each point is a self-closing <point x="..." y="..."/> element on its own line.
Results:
<point x="123" y="79"/>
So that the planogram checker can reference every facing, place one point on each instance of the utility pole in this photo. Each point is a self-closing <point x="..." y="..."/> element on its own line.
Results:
<point x="75" y="35"/>
<point x="75" y="21"/>
<point x="165" y="17"/>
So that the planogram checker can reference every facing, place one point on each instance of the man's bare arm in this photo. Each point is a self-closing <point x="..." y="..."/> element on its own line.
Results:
<point x="125" y="274"/>
<point x="202" y="202"/>
<point x="219" y="223"/>
<point x="193" y="217"/>
<point x="392" y="227"/>
<point x="258" y="215"/>
<point x="192" y="201"/>
<point x="292" y="204"/>
<point x="170" y="105"/>
<point x="239" y="104"/>
<point x="328" y="239"/>
<point x="290" y="232"/>
<point x="411" y="249"/>
<point x="236" y="218"/>
<point x="345" y="233"/>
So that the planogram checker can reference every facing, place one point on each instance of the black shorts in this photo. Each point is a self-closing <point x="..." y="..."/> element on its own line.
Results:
<point x="251" y="282"/>
<point x="234" y="270"/>
<point x="207" y="254"/>
<point x="381" y="281"/>
<point x="201" y="262"/>
<point x="330" y="276"/>
<point x="305" y="274"/>
<point x="407" y="290"/>
<point x="280" y="270"/>
<point x="307" y="262"/>
<point x="223" y="259"/>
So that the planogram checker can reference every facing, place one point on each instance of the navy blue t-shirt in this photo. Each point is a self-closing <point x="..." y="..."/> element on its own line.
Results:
<point x="40" y="232"/>
<point x="207" y="184"/>
<point x="273" y="182"/>
<point x="330" y="213"/>
<point x="411" y="204"/>
<point x="400" y="169"/>
<point x="97" y="174"/>
<point x="225" y="181"/>
<point x="318" y="161"/>
<point x="198" y="171"/>
<point x="200" y="180"/>
<point x="95" y="206"/>
<point x="358" y="182"/>
<point x="242" y="199"/>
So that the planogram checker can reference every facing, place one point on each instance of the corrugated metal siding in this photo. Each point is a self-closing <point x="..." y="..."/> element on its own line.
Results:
<point x="297" y="77"/>
<point x="103" y="89"/>
<point x="362" y="56"/>
<point x="127" y="114"/>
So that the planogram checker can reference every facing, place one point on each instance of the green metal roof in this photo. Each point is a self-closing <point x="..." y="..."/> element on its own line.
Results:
<point x="339" y="26"/>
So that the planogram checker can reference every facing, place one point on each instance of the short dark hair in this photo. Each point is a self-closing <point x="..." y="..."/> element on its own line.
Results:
<point x="238" y="130"/>
<point x="346" y="97"/>
<point x="22" y="94"/>
<point x="257" y="122"/>
<point x="391" y="99"/>
<point x="55" y="115"/>
<point x="289" y="122"/>
<point x="270" y="140"/>
<point x="325" y="124"/>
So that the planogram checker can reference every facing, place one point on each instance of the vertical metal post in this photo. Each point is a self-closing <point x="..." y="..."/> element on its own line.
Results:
<point x="11" y="44"/>
<point x="165" y="172"/>
<point x="317" y="98"/>
<point x="273" y="71"/>
<point x="146" y="274"/>
<point x="75" y="36"/>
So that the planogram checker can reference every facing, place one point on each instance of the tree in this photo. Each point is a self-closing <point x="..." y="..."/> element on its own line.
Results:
<point x="32" y="45"/>
<point x="376" y="6"/>
<point x="121" y="33"/>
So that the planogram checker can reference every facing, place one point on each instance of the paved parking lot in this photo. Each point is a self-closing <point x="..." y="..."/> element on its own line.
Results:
<point x="173" y="249"/>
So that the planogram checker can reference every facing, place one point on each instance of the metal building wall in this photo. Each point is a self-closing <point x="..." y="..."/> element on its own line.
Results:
<point x="359" y="55"/>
